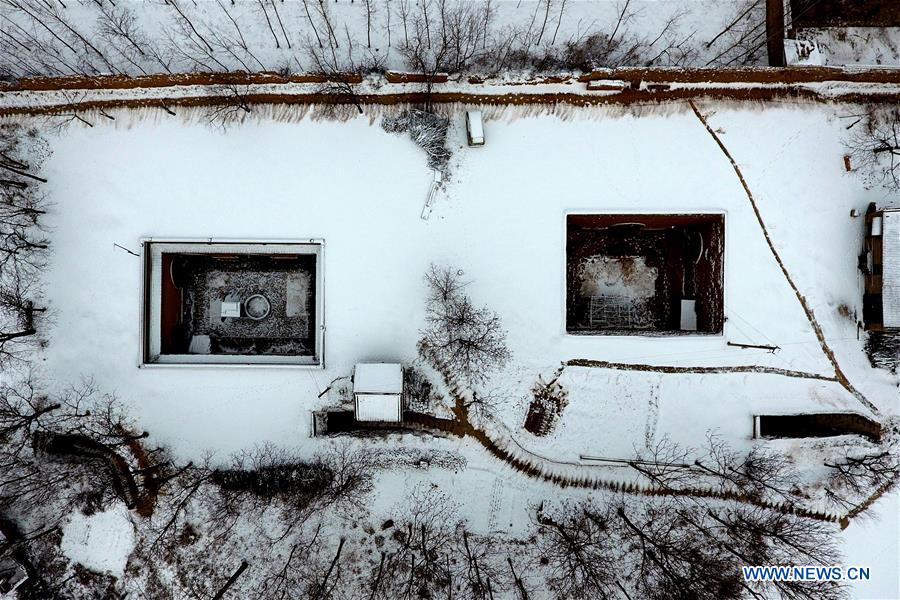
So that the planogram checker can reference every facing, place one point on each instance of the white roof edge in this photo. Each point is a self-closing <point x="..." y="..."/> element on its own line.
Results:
<point x="890" y="278"/>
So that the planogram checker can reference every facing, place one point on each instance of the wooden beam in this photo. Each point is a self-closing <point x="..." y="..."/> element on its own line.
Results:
<point x="775" y="32"/>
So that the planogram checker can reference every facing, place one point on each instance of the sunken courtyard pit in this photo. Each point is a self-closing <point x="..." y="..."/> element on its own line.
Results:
<point x="648" y="274"/>
<point x="233" y="303"/>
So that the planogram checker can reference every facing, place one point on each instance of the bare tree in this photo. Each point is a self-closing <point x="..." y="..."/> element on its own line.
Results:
<point x="577" y="553"/>
<point x="874" y="147"/>
<point x="458" y="335"/>
<point x="450" y="42"/>
<point x="232" y="107"/>
<point x="418" y="563"/>
<point x="666" y="464"/>
<point x="754" y="535"/>
<point x="340" y="68"/>
<point x="742" y="38"/>
<point x="23" y="243"/>
<point x="50" y="18"/>
<point x="118" y="28"/>
<point x="478" y="566"/>
<point x="672" y="556"/>
<point x="679" y="548"/>
<point x="862" y="472"/>
<point x="483" y="405"/>
<point x="757" y="475"/>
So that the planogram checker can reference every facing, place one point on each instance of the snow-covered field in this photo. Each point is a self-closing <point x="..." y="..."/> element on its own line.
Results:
<point x="501" y="219"/>
<point x="864" y="546"/>
<point x="284" y="36"/>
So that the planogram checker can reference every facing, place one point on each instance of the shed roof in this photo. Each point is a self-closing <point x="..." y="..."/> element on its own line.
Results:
<point x="890" y="286"/>
<point x="378" y="378"/>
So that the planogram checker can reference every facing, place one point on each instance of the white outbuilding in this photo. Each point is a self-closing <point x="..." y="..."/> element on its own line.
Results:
<point x="378" y="391"/>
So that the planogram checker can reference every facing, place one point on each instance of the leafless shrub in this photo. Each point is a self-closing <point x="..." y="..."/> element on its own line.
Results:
<point x="467" y="340"/>
<point x="267" y="474"/>
<point x="874" y="147"/>
<point x="395" y="457"/>
<point x="418" y="390"/>
<point x="548" y="401"/>
<point x="273" y="481"/>
<point x="427" y="130"/>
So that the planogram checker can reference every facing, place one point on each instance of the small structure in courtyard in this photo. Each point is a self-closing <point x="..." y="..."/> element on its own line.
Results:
<point x="645" y="273"/>
<point x="377" y="392"/>
<point x="880" y="264"/>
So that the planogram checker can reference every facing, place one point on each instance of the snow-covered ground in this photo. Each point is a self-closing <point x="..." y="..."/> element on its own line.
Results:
<point x="101" y="542"/>
<point x="858" y="46"/>
<point x="501" y="219"/>
<point x="873" y="541"/>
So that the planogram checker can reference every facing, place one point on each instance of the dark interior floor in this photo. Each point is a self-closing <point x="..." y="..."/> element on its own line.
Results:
<point x="204" y="282"/>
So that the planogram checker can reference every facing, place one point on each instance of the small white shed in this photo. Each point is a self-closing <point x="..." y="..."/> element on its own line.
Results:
<point x="377" y="392"/>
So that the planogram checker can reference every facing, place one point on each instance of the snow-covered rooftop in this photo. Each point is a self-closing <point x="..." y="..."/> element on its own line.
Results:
<point x="890" y="279"/>
<point x="378" y="378"/>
